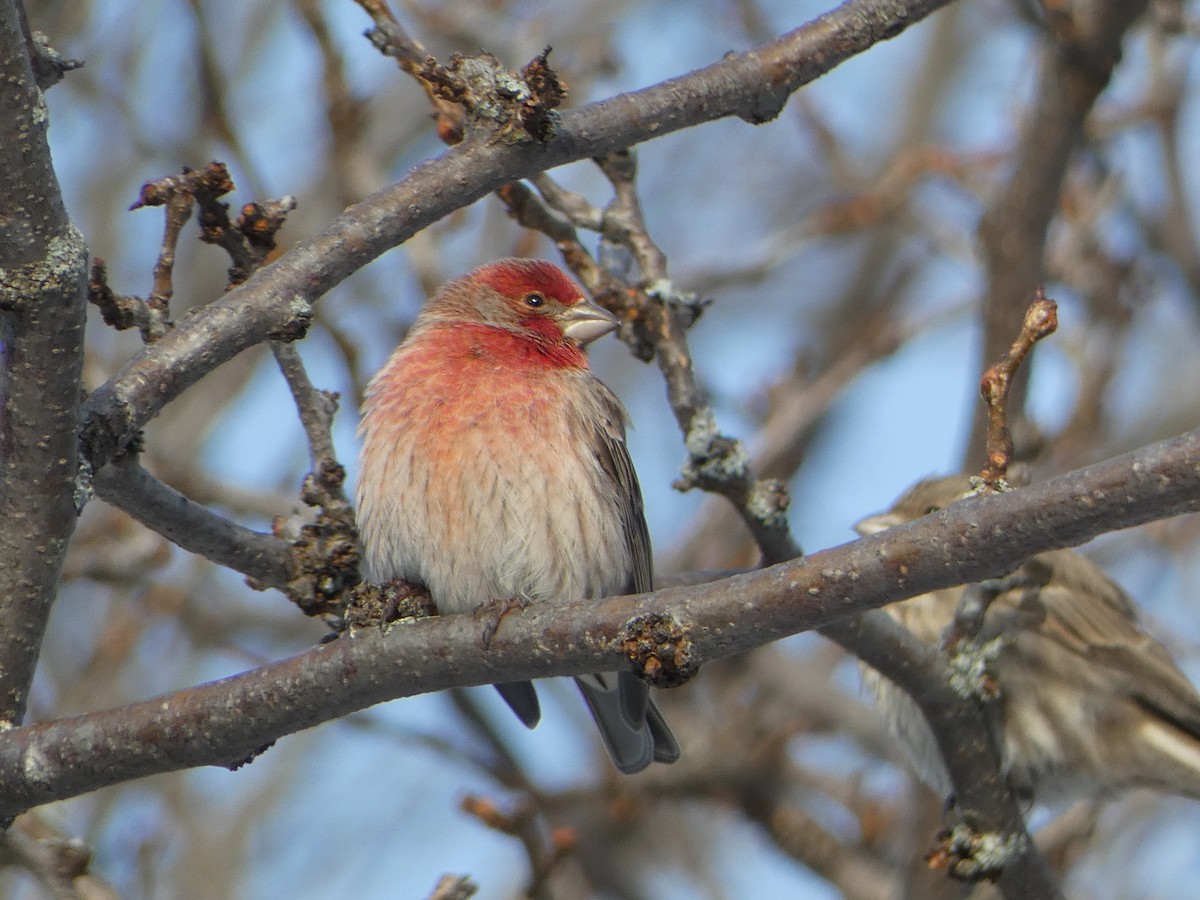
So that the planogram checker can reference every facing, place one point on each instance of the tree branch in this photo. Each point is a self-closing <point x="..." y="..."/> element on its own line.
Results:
<point x="225" y="722"/>
<point x="43" y="283"/>
<point x="194" y="527"/>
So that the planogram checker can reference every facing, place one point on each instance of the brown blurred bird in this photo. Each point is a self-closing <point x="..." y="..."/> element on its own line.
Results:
<point x="1089" y="702"/>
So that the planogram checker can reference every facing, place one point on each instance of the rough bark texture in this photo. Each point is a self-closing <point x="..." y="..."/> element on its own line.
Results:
<point x="43" y="265"/>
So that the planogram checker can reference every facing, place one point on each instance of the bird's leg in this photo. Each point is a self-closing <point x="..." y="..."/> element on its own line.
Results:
<point x="965" y="641"/>
<point x="967" y="624"/>
<point x="382" y="605"/>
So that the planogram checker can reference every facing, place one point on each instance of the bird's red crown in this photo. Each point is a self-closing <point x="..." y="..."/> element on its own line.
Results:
<point x="514" y="277"/>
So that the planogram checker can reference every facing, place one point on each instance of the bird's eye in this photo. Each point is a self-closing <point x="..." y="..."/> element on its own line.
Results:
<point x="930" y="510"/>
<point x="533" y="300"/>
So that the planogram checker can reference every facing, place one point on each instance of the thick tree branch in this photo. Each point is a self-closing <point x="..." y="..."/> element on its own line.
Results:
<point x="277" y="302"/>
<point x="43" y="282"/>
<point x="225" y="722"/>
<point x="195" y="528"/>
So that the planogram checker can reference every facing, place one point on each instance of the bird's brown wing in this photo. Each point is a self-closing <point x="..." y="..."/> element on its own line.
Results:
<point x="613" y="456"/>
<point x="633" y="729"/>
<point x="1086" y="612"/>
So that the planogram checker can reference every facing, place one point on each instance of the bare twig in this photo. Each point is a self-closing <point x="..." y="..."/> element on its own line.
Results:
<point x="325" y="551"/>
<point x="1077" y="59"/>
<point x="176" y="194"/>
<point x="49" y="66"/>
<point x="316" y="408"/>
<point x="1041" y="319"/>
<point x="121" y="311"/>
<point x="249" y="244"/>
<point x="798" y="403"/>
<point x="520" y="820"/>
<point x="659" y="316"/>
<point x="391" y="39"/>
<point x="324" y="555"/>
<point x="60" y="864"/>
<point x="716" y="462"/>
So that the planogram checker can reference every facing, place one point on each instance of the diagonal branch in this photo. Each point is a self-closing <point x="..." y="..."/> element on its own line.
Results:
<point x="192" y="526"/>
<point x="225" y="722"/>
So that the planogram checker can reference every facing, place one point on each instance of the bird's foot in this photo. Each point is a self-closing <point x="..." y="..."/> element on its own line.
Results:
<point x="385" y="604"/>
<point x="493" y="612"/>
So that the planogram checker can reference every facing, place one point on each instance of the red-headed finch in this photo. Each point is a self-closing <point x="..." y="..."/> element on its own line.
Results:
<point x="1089" y="702"/>
<point x="494" y="467"/>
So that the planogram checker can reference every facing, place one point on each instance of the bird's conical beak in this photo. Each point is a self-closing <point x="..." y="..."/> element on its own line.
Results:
<point x="875" y="524"/>
<point x="584" y="321"/>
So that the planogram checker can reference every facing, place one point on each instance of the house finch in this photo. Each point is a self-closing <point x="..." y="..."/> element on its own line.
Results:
<point x="494" y="467"/>
<point x="1088" y="700"/>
